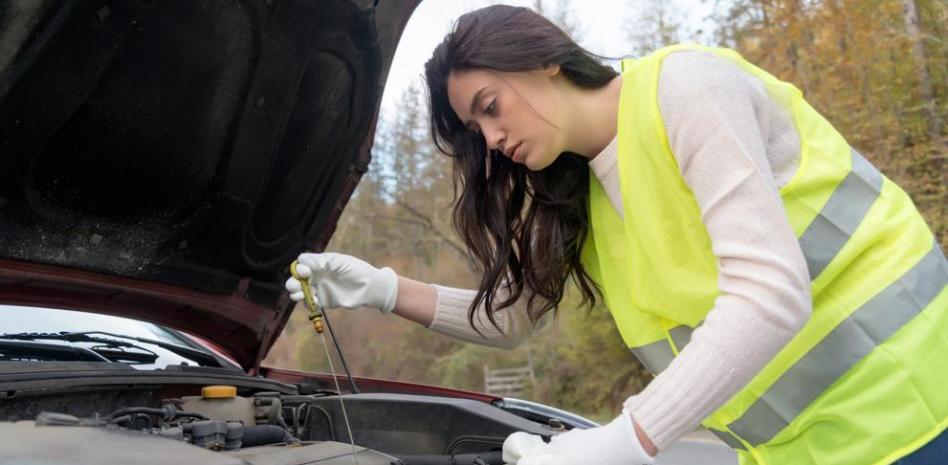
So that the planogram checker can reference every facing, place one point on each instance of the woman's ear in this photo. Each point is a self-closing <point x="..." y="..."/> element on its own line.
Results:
<point x="552" y="70"/>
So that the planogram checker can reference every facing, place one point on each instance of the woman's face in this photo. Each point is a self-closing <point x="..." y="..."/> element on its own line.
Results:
<point x="519" y="114"/>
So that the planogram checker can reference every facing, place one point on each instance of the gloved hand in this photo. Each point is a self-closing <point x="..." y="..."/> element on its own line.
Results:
<point x="340" y="280"/>
<point x="613" y="444"/>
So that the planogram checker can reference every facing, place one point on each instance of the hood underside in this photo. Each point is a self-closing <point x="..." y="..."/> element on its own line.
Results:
<point x="166" y="160"/>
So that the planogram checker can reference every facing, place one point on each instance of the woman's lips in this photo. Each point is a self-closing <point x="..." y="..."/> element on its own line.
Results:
<point x="515" y="153"/>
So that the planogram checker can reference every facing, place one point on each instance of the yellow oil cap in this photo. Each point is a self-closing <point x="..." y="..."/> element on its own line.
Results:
<point x="218" y="392"/>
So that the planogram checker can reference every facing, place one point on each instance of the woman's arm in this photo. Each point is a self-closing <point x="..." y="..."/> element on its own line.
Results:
<point x="416" y="301"/>
<point x="345" y="281"/>
<point x="444" y="310"/>
<point x="721" y="129"/>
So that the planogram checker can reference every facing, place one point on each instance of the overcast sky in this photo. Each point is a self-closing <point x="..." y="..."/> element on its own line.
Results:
<point x="600" y="22"/>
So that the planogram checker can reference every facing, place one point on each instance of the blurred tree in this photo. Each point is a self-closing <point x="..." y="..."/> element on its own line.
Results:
<point x="655" y="24"/>
<point x="561" y="16"/>
<point x="913" y="33"/>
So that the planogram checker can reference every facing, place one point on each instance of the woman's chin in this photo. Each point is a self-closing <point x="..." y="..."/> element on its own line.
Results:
<point x="535" y="164"/>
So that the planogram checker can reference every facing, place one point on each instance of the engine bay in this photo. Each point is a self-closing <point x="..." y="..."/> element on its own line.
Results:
<point x="217" y="420"/>
<point x="140" y="393"/>
<point x="112" y="424"/>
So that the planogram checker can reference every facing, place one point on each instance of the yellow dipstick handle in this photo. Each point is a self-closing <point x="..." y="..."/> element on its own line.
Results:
<point x="308" y="299"/>
<point x="316" y="317"/>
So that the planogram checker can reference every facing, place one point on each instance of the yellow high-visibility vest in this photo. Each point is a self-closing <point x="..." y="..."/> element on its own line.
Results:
<point x="865" y="381"/>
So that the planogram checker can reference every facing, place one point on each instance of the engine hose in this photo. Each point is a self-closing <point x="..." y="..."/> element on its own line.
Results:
<point x="329" y="423"/>
<point x="166" y="412"/>
<point x="262" y="435"/>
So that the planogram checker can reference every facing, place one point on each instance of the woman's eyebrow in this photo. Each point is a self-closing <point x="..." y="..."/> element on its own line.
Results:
<point x="477" y="98"/>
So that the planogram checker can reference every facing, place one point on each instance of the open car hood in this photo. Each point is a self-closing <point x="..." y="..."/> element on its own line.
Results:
<point x="166" y="160"/>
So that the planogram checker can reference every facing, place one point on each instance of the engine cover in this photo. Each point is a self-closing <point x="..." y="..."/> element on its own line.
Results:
<point x="27" y="444"/>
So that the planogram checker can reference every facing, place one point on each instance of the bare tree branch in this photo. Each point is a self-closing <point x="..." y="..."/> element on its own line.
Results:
<point x="461" y="250"/>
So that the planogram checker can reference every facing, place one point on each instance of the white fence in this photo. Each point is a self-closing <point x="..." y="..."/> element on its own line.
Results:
<point x="508" y="382"/>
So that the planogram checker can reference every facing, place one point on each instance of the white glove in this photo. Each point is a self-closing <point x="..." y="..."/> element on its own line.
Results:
<point x="340" y="280"/>
<point x="613" y="444"/>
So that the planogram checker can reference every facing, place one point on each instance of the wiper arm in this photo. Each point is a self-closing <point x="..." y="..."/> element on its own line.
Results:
<point x="86" y="336"/>
<point x="109" y="350"/>
<point x="29" y="351"/>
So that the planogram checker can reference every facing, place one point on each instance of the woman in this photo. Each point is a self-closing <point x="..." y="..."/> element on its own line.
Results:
<point x="785" y="293"/>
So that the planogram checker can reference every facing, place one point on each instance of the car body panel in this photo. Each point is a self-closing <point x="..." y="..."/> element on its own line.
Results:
<point x="184" y="150"/>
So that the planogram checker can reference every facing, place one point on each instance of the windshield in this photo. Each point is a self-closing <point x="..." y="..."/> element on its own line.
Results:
<point x="16" y="319"/>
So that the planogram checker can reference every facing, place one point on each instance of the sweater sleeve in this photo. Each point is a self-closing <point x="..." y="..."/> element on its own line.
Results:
<point x="451" y="320"/>
<point x="717" y="125"/>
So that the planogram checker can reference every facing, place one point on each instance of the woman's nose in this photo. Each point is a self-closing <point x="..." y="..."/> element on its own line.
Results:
<point x="495" y="138"/>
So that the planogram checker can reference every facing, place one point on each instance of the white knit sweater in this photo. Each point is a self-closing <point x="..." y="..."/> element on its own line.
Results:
<point x="735" y="147"/>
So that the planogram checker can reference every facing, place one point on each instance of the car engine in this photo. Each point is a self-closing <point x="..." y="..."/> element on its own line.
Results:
<point x="141" y="424"/>
<point x="216" y="420"/>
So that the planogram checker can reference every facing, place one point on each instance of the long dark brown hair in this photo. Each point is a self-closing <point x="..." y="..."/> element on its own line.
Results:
<point x="525" y="229"/>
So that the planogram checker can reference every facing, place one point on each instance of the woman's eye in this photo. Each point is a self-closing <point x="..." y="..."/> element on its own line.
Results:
<point x="492" y="108"/>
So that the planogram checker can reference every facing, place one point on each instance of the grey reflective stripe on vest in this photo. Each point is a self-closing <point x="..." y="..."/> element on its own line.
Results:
<point x="842" y="348"/>
<point x="728" y="439"/>
<point x="681" y="336"/>
<point x="655" y="356"/>
<point x="658" y="355"/>
<point x="841" y="215"/>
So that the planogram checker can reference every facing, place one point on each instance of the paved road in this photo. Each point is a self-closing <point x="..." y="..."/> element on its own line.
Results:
<point x="699" y="448"/>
